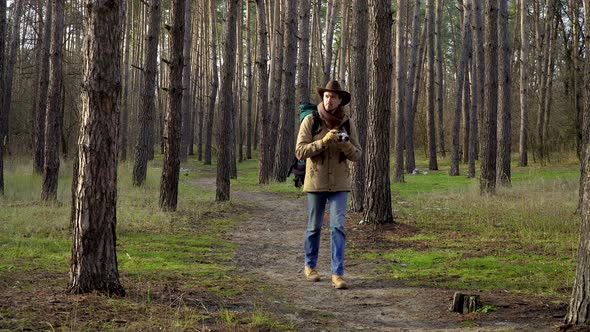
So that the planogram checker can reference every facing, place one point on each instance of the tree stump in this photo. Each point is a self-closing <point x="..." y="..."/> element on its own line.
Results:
<point x="464" y="303"/>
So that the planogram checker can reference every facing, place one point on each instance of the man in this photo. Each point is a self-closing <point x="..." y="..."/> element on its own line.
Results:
<point x="327" y="176"/>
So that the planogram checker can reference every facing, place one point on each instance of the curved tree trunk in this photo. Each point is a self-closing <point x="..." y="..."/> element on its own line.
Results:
<point x="173" y="120"/>
<point x="226" y="104"/>
<point x="378" y="197"/>
<point x="285" y="141"/>
<point x="358" y="105"/>
<point x="94" y="255"/>
<point x="54" y="103"/>
<point x="490" y="111"/>
<point x="148" y="95"/>
<point x="262" y="93"/>
<point x="415" y="64"/>
<point x="39" y="159"/>
<point x="399" y="98"/>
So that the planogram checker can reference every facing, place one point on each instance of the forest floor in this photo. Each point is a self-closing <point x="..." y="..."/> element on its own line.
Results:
<point x="270" y="245"/>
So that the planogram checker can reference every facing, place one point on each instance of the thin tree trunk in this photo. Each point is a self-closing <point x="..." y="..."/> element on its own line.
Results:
<point x="343" y="44"/>
<point x="524" y="86"/>
<point x="415" y="59"/>
<point x="378" y="198"/>
<point x="359" y="85"/>
<point x="467" y="101"/>
<point x="39" y="160"/>
<point x="490" y="111"/>
<point x="462" y="69"/>
<point x="477" y="81"/>
<point x="214" y="84"/>
<point x="52" y="123"/>
<point x="124" y="128"/>
<point x="332" y="14"/>
<point x="439" y="77"/>
<point x="503" y="172"/>
<point x="399" y="97"/>
<point x="249" y="88"/>
<point x="173" y="120"/>
<point x="430" y="93"/>
<point x="186" y="83"/>
<point x="94" y="257"/>
<point x="275" y="81"/>
<point x="262" y="93"/>
<point x="145" y="119"/>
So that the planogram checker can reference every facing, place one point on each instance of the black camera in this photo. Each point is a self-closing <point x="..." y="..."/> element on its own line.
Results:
<point x="343" y="137"/>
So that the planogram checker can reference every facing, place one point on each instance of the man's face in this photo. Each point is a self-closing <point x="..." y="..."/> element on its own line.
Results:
<point x="331" y="100"/>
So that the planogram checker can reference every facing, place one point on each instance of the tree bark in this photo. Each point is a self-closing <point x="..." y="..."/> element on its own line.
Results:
<point x="124" y="127"/>
<point x="503" y="172"/>
<point x="477" y="81"/>
<point x="262" y="93"/>
<point x="94" y="256"/>
<point x="173" y="120"/>
<point x="276" y="80"/>
<point x="415" y="60"/>
<point x="439" y="78"/>
<point x="344" y="28"/>
<point x="148" y="95"/>
<point x="523" y="89"/>
<point x="462" y="69"/>
<point x="400" y="70"/>
<point x="9" y="71"/>
<point x="303" y="60"/>
<point x="358" y="105"/>
<point x="430" y="93"/>
<point x="285" y="141"/>
<point x="226" y="104"/>
<point x="490" y="110"/>
<point x="214" y="84"/>
<point x="2" y="86"/>
<point x="331" y="15"/>
<point x="378" y="197"/>
<point x="38" y="159"/>
<point x="249" y="88"/>
<point x="54" y="104"/>
<point x="185" y="131"/>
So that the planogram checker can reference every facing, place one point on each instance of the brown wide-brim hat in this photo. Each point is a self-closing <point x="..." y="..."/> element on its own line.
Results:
<point x="334" y="86"/>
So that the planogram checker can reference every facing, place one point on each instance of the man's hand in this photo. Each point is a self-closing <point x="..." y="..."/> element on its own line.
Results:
<point x="331" y="137"/>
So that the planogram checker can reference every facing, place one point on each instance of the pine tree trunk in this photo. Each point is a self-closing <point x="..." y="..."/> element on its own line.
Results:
<point x="148" y="95"/>
<point x="94" y="256"/>
<point x="285" y="141"/>
<point x="399" y="97"/>
<point x="439" y="78"/>
<point x="331" y="15"/>
<point x="2" y="43"/>
<point x="186" y="84"/>
<point x="262" y="93"/>
<point x="249" y="88"/>
<point x="524" y="86"/>
<point x="276" y="80"/>
<point x="173" y="120"/>
<point x="503" y="172"/>
<point x="462" y="69"/>
<point x="38" y="159"/>
<point x="9" y="71"/>
<point x="226" y="104"/>
<point x="54" y="104"/>
<point x="490" y="110"/>
<point x="344" y="28"/>
<point x="430" y="85"/>
<point x="415" y="59"/>
<point x="378" y="192"/>
<point x="477" y="81"/>
<point x="467" y="101"/>
<point x="214" y="84"/>
<point x="124" y="127"/>
<point x="303" y="60"/>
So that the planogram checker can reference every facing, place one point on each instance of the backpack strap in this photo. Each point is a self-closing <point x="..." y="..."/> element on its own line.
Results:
<point x="317" y="122"/>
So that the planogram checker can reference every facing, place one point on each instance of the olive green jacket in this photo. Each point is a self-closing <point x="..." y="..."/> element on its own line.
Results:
<point x="327" y="165"/>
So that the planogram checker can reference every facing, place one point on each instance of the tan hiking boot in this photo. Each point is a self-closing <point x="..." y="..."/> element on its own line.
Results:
<point x="311" y="274"/>
<point x="338" y="282"/>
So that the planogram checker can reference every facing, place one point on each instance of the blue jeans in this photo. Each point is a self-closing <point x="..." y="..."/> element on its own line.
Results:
<point x="316" y="202"/>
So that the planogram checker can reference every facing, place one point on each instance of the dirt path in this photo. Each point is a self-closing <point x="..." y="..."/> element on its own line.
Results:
<point x="271" y="247"/>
